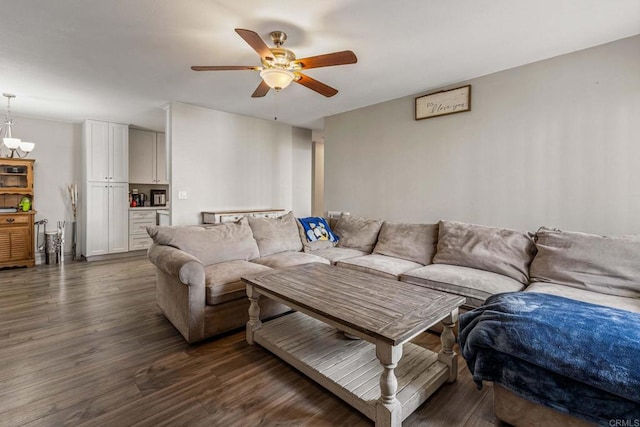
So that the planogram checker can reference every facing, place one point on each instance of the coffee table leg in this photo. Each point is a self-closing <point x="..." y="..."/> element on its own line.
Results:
<point x="254" y="322"/>
<point x="448" y="340"/>
<point x="388" y="409"/>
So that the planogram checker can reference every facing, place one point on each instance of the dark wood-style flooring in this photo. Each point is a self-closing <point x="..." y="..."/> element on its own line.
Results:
<point x="85" y="344"/>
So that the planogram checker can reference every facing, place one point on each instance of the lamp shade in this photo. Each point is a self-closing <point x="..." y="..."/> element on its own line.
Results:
<point x="11" y="143"/>
<point x="27" y="147"/>
<point x="277" y="78"/>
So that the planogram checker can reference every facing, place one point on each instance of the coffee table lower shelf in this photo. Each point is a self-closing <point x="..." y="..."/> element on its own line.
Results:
<point x="350" y="368"/>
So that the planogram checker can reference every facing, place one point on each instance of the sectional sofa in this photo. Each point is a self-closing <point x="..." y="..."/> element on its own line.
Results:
<point x="199" y="268"/>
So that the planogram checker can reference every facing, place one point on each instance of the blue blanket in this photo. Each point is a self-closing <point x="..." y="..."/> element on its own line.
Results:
<point x="578" y="358"/>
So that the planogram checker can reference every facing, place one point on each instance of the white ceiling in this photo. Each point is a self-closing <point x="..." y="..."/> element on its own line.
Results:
<point x="123" y="60"/>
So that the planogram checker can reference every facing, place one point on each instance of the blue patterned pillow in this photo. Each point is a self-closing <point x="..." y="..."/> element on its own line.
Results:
<point x="317" y="229"/>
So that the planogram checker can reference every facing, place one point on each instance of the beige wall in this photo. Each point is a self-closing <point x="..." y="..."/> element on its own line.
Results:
<point x="317" y="192"/>
<point x="552" y="143"/>
<point x="301" y="171"/>
<point x="227" y="161"/>
<point x="57" y="164"/>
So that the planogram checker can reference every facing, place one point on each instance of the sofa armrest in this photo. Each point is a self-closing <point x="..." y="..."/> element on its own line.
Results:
<point x="180" y="290"/>
<point x="178" y="264"/>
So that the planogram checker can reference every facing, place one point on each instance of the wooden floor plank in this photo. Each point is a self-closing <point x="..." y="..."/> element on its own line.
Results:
<point x="85" y="344"/>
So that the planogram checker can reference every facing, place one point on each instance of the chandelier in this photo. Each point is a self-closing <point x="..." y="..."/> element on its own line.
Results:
<point x="14" y="145"/>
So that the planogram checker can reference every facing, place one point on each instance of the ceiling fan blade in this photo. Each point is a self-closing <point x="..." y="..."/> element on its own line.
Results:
<point x="328" y="59"/>
<point x="255" y="41"/>
<point x="261" y="90"/>
<point x="315" y="85"/>
<point x="222" y="67"/>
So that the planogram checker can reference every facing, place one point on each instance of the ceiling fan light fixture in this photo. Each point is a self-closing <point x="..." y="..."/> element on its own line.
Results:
<point x="277" y="78"/>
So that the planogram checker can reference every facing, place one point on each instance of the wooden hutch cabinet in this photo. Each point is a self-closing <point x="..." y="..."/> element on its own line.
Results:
<point x="16" y="225"/>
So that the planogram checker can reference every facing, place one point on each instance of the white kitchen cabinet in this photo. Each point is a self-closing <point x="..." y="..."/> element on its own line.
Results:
<point x="162" y="177"/>
<point x="105" y="214"/>
<point x="147" y="157"/>
<point x="107" y="227"/>
<point x="118" y="217"/>
<point x="139" y="220"/>
<point x="96" y="145"/>
<point x="118" y="152"/>
<point x="106" y="147"/>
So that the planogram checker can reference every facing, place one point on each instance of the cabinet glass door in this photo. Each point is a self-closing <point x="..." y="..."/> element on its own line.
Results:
<point x="13" y="177"/>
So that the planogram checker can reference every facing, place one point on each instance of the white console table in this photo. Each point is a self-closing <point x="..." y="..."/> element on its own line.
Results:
<point x="218" y="217"/>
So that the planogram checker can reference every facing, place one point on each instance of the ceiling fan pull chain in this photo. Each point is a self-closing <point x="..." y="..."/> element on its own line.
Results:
<point x="275" y="104"/>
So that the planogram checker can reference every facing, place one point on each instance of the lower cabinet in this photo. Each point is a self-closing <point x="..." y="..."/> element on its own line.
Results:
<point x="16" y="240"/>
<point x="107" y="228"/>
<point x="138" y="223"/>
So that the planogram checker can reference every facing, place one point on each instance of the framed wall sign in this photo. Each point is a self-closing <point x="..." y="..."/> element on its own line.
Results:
<point x="444" y="102"/>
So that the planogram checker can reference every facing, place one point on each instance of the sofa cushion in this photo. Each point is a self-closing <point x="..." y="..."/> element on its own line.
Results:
<point x="606" y="264"/>
<point x="380" y="265"/>
<point x="336" y="254"/>
<point x="413" y="242"/>
<point x="222" y="281"/>
<point x="308" y="246"/>
<point x="615" y="301"/>
<point x="357" y="233"/>
<point x="275" y="235"/>
<point x="211" y="245"/>
<point x="499" y="250"/>
<point x="289" y="259"/>
<point x="474" y="284"/>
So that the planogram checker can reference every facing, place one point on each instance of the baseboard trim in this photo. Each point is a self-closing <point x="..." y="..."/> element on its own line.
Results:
<point x="116" y="256"/>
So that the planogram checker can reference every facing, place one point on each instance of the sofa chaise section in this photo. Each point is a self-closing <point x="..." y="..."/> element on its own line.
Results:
<point x="575" y="357"/>
<point x="603" y="271"/>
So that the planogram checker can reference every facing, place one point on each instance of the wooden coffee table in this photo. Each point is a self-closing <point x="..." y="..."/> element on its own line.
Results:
<point x="370" y="374"/>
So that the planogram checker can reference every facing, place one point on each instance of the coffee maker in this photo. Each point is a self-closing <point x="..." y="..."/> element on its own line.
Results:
<point x="139" y="199"/>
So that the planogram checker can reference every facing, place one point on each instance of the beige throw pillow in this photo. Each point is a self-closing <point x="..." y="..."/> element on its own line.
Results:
<point x="413" y="242"/>
<point x="275" y="235"/>
<point x="357" y="233"/>
<point x="211" y="245"/>
<point x="499" y="250"/>
<point x="605" y="264"/>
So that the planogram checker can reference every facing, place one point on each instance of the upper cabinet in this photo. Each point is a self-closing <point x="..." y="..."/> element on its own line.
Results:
<point x="119" y="152"/>
<point x="147" y="157"/>
<point x="106" y="151"/>
<point x="16" y="215"/>
<point x="162" y="177"/>
<point x="16" y="178"/>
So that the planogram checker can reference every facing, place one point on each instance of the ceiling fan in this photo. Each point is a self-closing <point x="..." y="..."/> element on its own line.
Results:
<point x="280" y="66"/>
